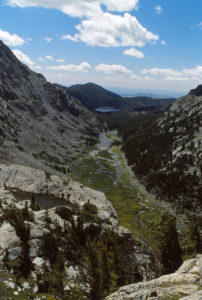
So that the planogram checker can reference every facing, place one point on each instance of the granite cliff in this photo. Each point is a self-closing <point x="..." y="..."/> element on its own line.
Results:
<point x="40" y="125"/>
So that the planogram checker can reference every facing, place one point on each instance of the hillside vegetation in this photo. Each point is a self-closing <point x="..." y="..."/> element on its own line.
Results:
<point x="166" y="152"/>
<point x="92" y="96"/>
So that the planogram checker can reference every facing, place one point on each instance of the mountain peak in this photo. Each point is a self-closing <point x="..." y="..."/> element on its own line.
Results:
<point x="197" y="91"/>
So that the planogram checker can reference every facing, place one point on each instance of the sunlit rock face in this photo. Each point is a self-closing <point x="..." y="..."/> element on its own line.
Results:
<point x="185" y="283"/>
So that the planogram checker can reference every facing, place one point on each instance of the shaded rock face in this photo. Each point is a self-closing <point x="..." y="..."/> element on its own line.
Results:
<point x="166" y="153"/>
<point x="85" y="220"/>
<point x="185" y="283"/>
<point x="197" y="91"/>
<point x="40" y="124"/>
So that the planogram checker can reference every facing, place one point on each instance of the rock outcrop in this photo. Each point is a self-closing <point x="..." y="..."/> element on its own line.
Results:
<point x="197" y="91"/>
<point x="185" y="283"/>
<point x="40" y="124"/>
<point x="18" y="179"/>
<point x="79" y="225"/>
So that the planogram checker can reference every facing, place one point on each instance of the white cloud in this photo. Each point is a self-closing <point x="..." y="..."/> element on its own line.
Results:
<point x="41" y="59"/>
<point x="69" y="37"/>
<point x="134" y="76"/>
<point x="120" y="5"/>
<point x="148" y="78"/>
<point x="78" y="8"/>
<point x="60" y="60"/>
<point x="163" y="72"/>
<point x="133" y="52"/>
<point x="200" y="24"/>
<point x="173" y="78"/>
<point x="158" y="9"/>
<point x="11" y="39"/>
<point x="99" y="27"/>
<point x="111" y="69"/>
<point x="23" y="58"/>
<point x="108" y="30"/>
<point x="193" y="74"/>
<point x="49" y="57"/>
<point x="83" y="67"/>
<point x="48" y="39"/>
<point x="163" y="43"/>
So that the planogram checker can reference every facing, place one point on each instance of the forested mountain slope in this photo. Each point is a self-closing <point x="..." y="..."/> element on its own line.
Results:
<point x="92" y="96"/>
<point x="40" y="125"/>
<point x="166" y="152"/>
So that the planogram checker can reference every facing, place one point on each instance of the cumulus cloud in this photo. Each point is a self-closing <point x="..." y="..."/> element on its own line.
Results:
<point x="99" y="27"/>
<point x="158" y="9"/>
<point x="49" y="57"/>
<point x="48" y="39"/>
<point x="194" y="74"/>
<point x="23" y="58"/>
<point x="78" y="8"/>
<point x="163" y="72"/>
<point x="60" y="60"/>
<point x="111" y="69"/>
<point x="108" y="30"/>
<point x="134" y="76"/>
<point x="148" y="78"/>
<point x="173" y="78"/>
<point x="163" y="43"/>
<point x="69" y="37"/>
<point x="83" y="67"/>
<point x="11" y="39"/>
<point x="41" y="59"/>
<point x="133" y="52"/>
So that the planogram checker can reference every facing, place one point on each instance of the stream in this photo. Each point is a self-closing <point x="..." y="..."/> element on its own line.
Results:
<point x="105" y="168"/>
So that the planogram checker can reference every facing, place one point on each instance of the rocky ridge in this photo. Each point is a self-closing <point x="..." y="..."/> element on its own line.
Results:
<point x="40" y="124"/>
<point x="166" y="153"/>
<point x="185" y="283"/>
<point x="61" y="225"/>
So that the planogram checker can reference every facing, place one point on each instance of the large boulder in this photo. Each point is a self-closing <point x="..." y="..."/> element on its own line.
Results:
<point x="185" y="283"/>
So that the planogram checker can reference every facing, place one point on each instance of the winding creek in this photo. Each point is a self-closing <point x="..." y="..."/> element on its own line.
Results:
<point x="105" y="168"/>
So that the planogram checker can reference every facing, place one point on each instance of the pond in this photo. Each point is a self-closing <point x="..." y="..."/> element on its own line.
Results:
<point x="106" y="109"/>
<point x="44" y="201"/>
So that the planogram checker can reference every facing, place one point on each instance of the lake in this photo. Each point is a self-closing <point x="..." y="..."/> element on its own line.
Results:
<point x="106" y="109"/>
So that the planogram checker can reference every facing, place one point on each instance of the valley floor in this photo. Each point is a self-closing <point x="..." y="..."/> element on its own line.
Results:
<point x="105" y="168"/>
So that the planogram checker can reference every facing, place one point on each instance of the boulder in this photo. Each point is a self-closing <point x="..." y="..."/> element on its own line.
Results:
<point x="184" y="283"/>
<point x="8" y="237"/>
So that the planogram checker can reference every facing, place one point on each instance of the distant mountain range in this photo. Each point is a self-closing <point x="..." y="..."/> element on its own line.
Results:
<point x="93" y="96"/>
<point x="155" y="94"/>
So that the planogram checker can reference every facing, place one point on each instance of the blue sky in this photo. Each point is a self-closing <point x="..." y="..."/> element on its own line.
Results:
<point x="140" y="44"/>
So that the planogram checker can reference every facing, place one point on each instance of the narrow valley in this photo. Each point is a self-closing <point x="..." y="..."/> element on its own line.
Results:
<point x="105" y="169"/>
